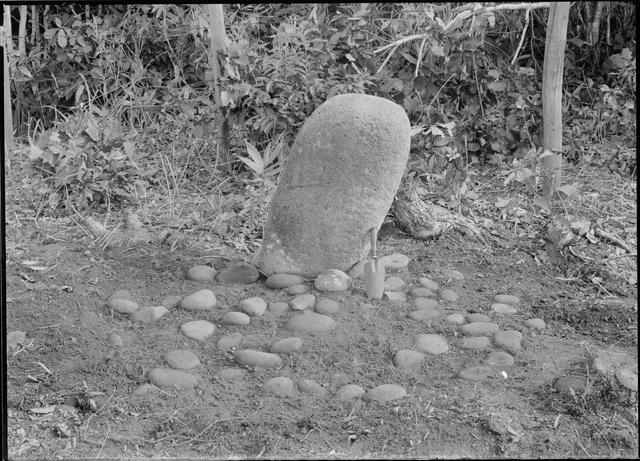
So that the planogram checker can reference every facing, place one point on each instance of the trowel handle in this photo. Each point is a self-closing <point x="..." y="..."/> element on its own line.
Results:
<point x="373" y="232"/>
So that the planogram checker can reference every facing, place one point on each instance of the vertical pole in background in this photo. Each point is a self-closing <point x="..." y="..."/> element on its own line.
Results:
<point x="7" y="45"/>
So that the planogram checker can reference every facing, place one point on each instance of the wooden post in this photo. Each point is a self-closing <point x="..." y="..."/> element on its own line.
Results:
<point x="215" y="16"/>
<point x="22" y="32"/>
<point x="552" y="95"/>
<point x="7" y="47"/>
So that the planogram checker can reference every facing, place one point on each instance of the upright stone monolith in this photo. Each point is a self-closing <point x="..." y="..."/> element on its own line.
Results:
<point x="339" y="181"/>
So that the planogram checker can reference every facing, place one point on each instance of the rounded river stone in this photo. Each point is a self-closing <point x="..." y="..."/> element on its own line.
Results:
<point x="332" y="280"/>
<point x="201" y="300"/>
<point x="308" y="386"/>
<point x="503" y="308"/>
<point x="310" y="322"/>
<point x="166" y="377"/>
<point x="506" y="299"/>
<point x="500" y="358"/>
<point x="428" y="283"/>
<point x="282" y="386"/>
<point x="201" y="273"/>
<point x="339" y="181"/>
<point x="236" y="318"/>
<point x="431" y="343"/>
<point x="386" y="393"/>
<point x="241" y="273"/>
<point x="281" y="281"/>
<point x="252" y="358"/>
<point x="395" y="261"/>
<point x="198" y="329"/>
<point x="327" y="306"/>
<point x="479" y="329"/>
<point x="181" y="359"/>
<point x="407" y="358"/>
<point x="287" y="345"/>
<point x="349" y="392"/>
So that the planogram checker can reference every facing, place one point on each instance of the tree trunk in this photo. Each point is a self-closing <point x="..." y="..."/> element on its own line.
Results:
<point x="552" y="95"/>
<point x="35" y="26"/>
<point x="215" y="16"/>
<point x="8" y="115"/>
<point x="22" y="32"/>
<point x="8" y="37"/>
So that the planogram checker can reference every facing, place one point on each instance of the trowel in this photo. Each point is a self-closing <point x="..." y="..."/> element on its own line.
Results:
<point x="374" y="270"/>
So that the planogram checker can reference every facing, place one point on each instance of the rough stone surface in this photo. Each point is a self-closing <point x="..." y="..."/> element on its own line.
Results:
<point x="425" y="303"/>
<point x="511" y="300"/>
<point x="454" y="274"/>
<point x="393" y="283"/>
<point x="479" y="329"/>
<point x="503" y="308"/>
<point x="395" y="297"/>
<point x="500" y="358"/>
<point x="255" y="307"/>
<point x="422" y="292"/>
<point x="166" y="377"/>
<point x="422" y="315"/>
<point x="386" y="393"/>
<point x="456" y="319"/>
<point x="148" y="314"/>
<point x="242" y="272"/>
<point x="229" y="341"/>
<point x="287" y="345"/>
<point x="308" y="386"/>
<point x="349" y="392"/>
<point x="201" y="273"/>
<point x="236" y="318"/>
<point x="171" y="301"/>
<point x="302" y="302"/>
<point x="339" y="181"/>
<point x="428" y="283"/>
<point x="332" y="280"/>
<point x="281" y="281"/>
<point x="198" y="329"/>
<point x="253" y="358"/>
<point x="181" y="359"/>
<point x="114" y="340"/>
<point x="395" y="261"/>
<point x="476" y="373"/>
<point x="327" y="306"/>
<point x="282" y="386"/>
<point x="431" y="343"/>
<point x="407" y="358"/>
<point x="565" y="384"/>
<point x="278" y="307"/>
<point x="509" y="340"/>
<point x="310" y="323"/>
<point x="607" y="361"/>
<point x="536" y="324"/>
<point x="628" y="379"/>
<point x="201" y="300"/>
<point x="477" y="317"/>
<point x="121" y="294"/>
<point x="124" y="306"/>
<point x="449" y="295"/>
<point x="477" y="343"/>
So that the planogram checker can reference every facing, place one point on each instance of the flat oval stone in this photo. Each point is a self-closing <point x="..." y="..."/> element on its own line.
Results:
<point x="454" y="274"/>
<point x="536" y="324"/>
<point x="503" y="308"/>
<point x="181" y="359"/>
<point x="477" y="343"/>
<point x="166" y="377"/>
<point x="500" y="358"/>
<point x="477" y="317"/>
<point x="308" y="386"/>
<point x="201" y="300"/>
<point x="395" y="297"/>
<point x="456" y="319"/>
<point x="231" y="374"/>
<point x="627" y="378"/>
<point x="242" y="272"/>
<point x="148" y="314"/>
<point x="607" y="361"/>
<point x="422" y="315"/>
<point x="298" y="289"/>
<point x="281" y="281"/>
<point x="407" y="358"/>
<point x="476" y="373"/>
<point x="142" y="389"/>
<point x="282" y="386"/>
<point x="287" y="345"/>
<point x="253" y="358"/>
<point x="278" y="307"/>
<point x="428" y="283"/>
<point x="395" y="261"/>
<point x="124" y="306"/>
<point x="393" y="284"/>
<point x="115" y="340"/>
<point x="386" y="393"/>
<point x="431" y="343"/>
<point x="565" y="384"/>
<point x="506" y="299"/>
<point x="121" y="294"/>
<point x="16" y="338"/>
<point x="201" y="273"/>
<point x="449" y="295"/>
<point x="198" y="329"/>
<point x="302" y="302"/>
<point x="229" y="341"/>
<point x="332" y="280"/>
<point x="236" y="318"/>
<point x="327" y="306"/>
<point x="425" y="303"/>
<point x="310" y="323"/>
<point x="349" y="392"/>
<point x="422" y="292"/>
<point x="255" y="307"/>
<point x="509" y="340"/>
<point x="171" y="301"/>
<point x="479" y="329"/>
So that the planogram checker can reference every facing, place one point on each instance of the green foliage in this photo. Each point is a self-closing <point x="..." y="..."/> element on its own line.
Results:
<point x="86" y="160"/>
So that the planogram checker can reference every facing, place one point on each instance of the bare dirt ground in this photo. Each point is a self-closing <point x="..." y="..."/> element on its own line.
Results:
<point x="70" y="391"/>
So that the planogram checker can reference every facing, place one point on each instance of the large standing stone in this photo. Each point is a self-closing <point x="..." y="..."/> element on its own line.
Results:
<point x="339" y="181"/>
